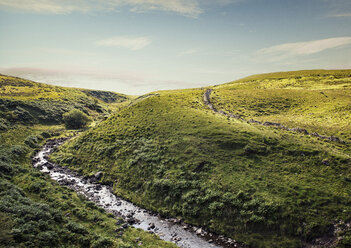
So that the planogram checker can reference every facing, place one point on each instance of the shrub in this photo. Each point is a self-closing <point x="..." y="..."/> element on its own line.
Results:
<point x="32" y="141"/>
<point x="4" y="125"/>
<point x="18" y="151"/>
<point x="49" y="238"/>
<point x="76" y="119"/>
<point x="22" y="115"/>
<point x="102" y="242"/>
<point x="46" y="134"/>
<point x="6" y="169"/>
<point x="36" y="187"/>
<point x="76" y="228"/>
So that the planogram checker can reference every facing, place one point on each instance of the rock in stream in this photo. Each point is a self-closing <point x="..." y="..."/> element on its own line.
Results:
<point x="172" y="230"/>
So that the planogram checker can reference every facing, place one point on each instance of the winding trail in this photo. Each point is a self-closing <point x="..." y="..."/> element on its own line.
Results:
<point x="173" y="230"/>
<point x="207" y="101"/>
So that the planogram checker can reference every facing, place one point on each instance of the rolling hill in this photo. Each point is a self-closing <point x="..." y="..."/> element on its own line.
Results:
<point x="34" y="210"/>
<point x="30" y="102"/>
<point x="227" y="170"/>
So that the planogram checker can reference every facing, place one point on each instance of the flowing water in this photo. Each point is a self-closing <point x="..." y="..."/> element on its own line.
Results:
<point x="167" y="229"/>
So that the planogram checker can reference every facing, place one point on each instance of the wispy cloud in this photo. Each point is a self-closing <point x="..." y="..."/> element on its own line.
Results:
<point x="341" y="15"/>
<point x="128" y="82"/>
<point x="128" y="42"/>
<point x="220" y="2"/>
<point x="80" y="77"/>
<point x="303" y="48"/>
<point x="188" y="52"/>
<point x="45" y="6"/>
<point x="192" y="8"/>
<point x="184" y="7"/>
<point x="338" y="8"/>
<point x="66" y="52"/>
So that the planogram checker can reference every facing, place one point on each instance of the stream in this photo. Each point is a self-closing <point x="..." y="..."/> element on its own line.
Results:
<point x="173" y="230"/>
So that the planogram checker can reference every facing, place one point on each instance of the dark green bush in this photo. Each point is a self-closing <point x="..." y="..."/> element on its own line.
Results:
<point x="91" y="205"/>
<point x="32" y="141"/>
<point x="4" y="124"/>
<point x="346" y="241"/>
<point x="36" y="187"/>
<point x="46" y="134"/>
<point x="76" y="119"/>
<point x="23" y="115"/>
<point x="18" y="151"/>
<point x="48" y="238"/>
<point x="76" y="228"/>
<point x="6" y="169"/>
<point x="102" y="242"/>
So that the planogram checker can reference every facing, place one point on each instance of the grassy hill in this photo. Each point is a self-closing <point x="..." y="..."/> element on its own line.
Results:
<point x="263" y="186"/>
<point x="24" y="101"/>
<point x="318" y="101"/>
<point x="34" y="210"/>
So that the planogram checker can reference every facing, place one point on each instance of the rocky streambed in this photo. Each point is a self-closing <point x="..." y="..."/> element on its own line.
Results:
<point x="172" y="230"/>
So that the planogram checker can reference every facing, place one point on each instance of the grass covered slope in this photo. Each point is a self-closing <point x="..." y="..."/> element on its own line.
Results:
<point x="36" y="211"/>
<point x="24" y="101"/>
<point x="262" y="186"/>
<point x="319" y="101"/>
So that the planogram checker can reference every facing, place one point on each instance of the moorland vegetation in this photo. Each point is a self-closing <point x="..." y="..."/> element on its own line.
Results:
<point x="34" y="210"/>
<point x="260" y="185"/>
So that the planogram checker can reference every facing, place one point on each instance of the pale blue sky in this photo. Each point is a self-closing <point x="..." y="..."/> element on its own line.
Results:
<point x="138" y="46"/>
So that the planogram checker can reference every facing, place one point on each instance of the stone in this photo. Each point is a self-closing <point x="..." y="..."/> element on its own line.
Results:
<point x="131" y="220"/>
<point x="50" y="166"/>
<point x="252" y="121"/>
<point x="199" y="231"/>
<point x="98" y="175"/>
<point x="119" y="222"/>
<point x="151" y="226"/>
<point x="124" y="226"/>
<point x="268" y="123"/>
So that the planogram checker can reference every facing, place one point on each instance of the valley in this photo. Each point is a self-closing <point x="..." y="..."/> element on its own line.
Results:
<point x="263" y="160"/>
<point x="171" y="230"/>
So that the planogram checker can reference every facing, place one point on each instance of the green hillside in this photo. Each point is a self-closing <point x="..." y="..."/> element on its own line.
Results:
<point x="261" y="185"/>
<point x="319" y="101"/>
<point x="24" y="101"/>
<point x="34" y="210"/>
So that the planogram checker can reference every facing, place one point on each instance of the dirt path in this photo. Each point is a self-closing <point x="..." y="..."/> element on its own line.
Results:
<point x="207" y="101"/>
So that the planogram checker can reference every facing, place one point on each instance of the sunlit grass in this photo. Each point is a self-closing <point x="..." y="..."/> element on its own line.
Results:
<point x="319" y="102"/>
<point x="257" y="184"/>
<point x="34" y="210"/>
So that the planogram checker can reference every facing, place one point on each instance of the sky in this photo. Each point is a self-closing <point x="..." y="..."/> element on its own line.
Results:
<point x="139" y="46"/>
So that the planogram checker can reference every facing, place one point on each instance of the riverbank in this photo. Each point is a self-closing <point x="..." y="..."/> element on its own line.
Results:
<point x="173" y="230"/>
